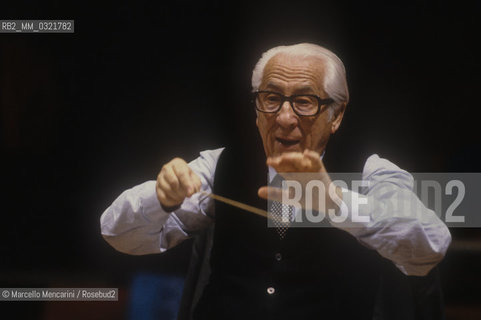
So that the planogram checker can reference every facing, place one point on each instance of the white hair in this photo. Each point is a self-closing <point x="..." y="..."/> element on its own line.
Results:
<point x="335" y="83"/>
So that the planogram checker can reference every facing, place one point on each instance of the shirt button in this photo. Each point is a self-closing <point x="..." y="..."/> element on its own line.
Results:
<point x="271" y="290"/>
<point x="278" y="256"/>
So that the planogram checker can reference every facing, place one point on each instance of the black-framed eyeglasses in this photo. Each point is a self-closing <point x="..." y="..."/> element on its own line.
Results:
<point x="302" y="104"/>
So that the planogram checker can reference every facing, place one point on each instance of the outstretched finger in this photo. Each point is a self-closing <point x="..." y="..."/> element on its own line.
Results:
<point x="292" y="162"/>
<point x="272" y="193"/>
<point x="286" y="162"/>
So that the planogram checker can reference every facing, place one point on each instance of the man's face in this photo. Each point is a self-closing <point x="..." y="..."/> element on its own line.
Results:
<point x="285" y="131"/>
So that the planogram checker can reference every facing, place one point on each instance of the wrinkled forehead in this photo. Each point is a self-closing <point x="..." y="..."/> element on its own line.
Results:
<point x="297" y="59"/>
<point x="295" y="68"/>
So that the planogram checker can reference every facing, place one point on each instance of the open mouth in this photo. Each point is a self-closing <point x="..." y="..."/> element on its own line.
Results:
<point x="286" y="142"/>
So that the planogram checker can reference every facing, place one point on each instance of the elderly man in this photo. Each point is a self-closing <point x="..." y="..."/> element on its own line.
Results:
<point x="342" y="272"/>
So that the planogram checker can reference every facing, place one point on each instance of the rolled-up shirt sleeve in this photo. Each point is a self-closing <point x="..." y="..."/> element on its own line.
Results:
<point x="136" y="223"/>
<point x="389" y="217"/>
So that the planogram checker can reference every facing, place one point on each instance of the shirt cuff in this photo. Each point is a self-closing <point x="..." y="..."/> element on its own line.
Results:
<point x="353" y="214"/>
<point x="151" y="209"/>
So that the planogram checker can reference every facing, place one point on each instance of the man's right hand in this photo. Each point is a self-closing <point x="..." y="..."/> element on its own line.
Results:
<point x="175" y="182"/>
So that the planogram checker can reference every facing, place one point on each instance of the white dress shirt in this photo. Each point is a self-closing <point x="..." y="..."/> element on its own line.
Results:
<point x="136" y="224"/>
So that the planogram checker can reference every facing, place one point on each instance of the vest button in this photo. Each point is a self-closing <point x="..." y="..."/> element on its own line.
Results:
<point x="271" y="290"/>
<point x="278" y="256"/>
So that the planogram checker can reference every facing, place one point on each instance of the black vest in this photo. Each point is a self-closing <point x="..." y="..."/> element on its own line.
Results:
<point x="313" y="273"/>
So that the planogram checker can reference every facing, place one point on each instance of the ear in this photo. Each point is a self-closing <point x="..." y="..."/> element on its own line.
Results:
<point x="257" y="122"/>
<point x="338" y="114"/>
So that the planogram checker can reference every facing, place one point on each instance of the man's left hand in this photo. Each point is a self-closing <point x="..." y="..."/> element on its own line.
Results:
<point x="302" y="167"/>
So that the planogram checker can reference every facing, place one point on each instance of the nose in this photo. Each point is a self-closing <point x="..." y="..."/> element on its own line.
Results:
<point x="286" y="118"/>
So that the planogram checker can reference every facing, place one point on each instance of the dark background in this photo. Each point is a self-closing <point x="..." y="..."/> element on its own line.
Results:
<point x="87" y="115"/>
